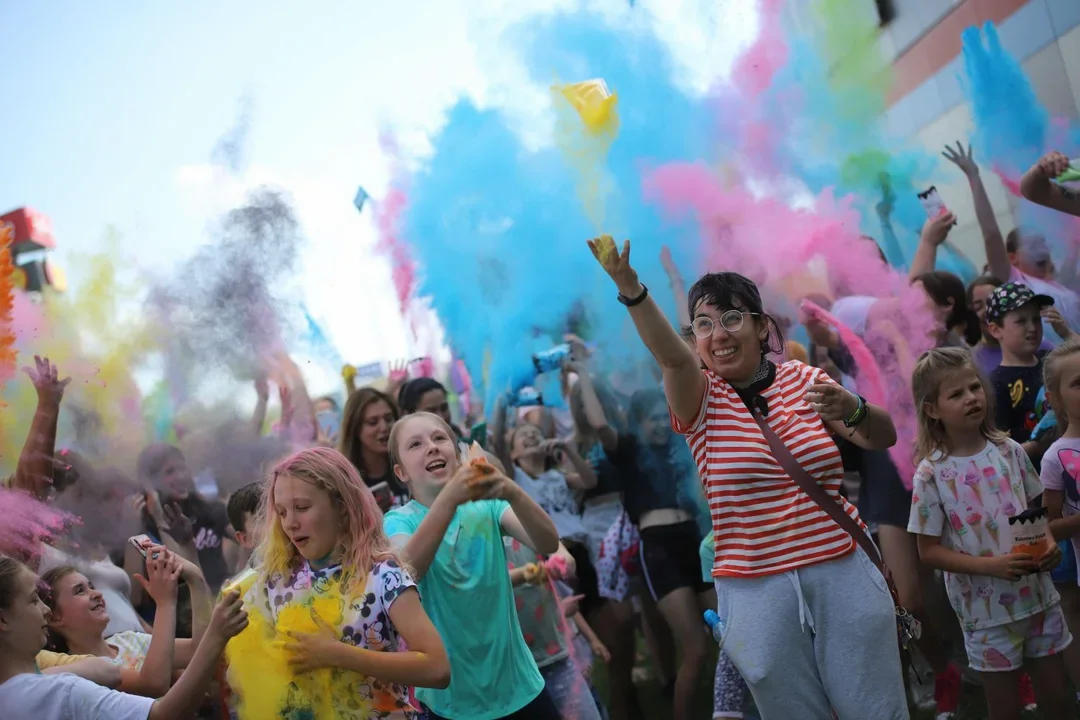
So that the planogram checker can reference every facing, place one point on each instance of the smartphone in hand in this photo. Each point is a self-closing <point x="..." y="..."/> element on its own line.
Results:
<point x="141" y="542"/>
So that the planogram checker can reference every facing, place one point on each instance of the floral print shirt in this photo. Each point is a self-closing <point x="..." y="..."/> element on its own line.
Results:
<point x="967" y="502"/>
<point x="362" y="619"/>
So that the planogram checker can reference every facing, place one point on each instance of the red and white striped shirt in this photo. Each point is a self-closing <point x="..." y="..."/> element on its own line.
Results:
<point x="763" y="523"/>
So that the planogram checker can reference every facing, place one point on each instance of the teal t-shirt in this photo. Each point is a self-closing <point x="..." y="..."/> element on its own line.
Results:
<point x="468" y="596"/>
<point x="707" y="551"/>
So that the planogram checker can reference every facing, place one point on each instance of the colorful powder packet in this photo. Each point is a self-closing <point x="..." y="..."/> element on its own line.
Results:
<point x="1030" y="532"/>
<point x="1072" y="174"/>
<point x="479" y="482"/>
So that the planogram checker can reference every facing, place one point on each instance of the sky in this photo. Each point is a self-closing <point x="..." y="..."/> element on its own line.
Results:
<point x="114" y="108"/>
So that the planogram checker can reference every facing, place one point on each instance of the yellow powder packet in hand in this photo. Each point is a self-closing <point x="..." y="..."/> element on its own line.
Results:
<point x="478" y="481"/>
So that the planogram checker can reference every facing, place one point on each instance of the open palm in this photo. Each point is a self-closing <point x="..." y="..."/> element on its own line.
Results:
<point x="616" y="264"/>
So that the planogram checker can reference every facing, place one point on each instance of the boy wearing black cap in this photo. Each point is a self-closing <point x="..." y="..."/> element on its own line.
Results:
<point x="1014" y="318"/>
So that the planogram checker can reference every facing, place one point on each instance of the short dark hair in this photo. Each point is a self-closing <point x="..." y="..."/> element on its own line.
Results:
<point x="1012" y="240"/>
<point x="243" y="501"/>
<point x="410" y="393"/>
<point x="732" y="291"/>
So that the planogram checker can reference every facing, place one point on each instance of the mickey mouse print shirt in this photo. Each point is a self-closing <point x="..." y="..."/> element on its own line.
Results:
<point x="361" y="618"/>
<point x="1061" y="471"/>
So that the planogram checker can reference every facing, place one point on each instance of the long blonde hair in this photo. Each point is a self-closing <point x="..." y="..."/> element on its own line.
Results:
<point x="930" y="372"/>
<point x="1052" y="375"/>
<point x="395" y="433"/>
<point x="361" y="539"/>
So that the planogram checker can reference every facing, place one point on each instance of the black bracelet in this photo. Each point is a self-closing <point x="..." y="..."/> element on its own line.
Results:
<point x="631" y="302"/>
<point x="859" y="415"/>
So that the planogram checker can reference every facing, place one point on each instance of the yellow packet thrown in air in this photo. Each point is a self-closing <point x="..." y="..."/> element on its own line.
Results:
<point x="594" y="103"/>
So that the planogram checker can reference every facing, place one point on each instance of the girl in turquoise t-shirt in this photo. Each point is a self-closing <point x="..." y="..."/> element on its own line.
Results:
<point x="451" y="534"/>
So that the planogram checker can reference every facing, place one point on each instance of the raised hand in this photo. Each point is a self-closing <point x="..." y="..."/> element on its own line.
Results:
<point x="1053" y="316"/>
<point x="44" y="375"/>
<point x="177" y="524"/>
<point x="162" y="574"/>
<point x="963" y="159"/>
<point x="936" y="229"/>
<point x="399" y="371"/>
<point x="1053" y="164"/>
<point x="616" y="264"/>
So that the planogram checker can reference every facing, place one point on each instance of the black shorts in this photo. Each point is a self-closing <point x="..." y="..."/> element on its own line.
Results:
<point x="670" y="559"/>
<point x="586" y="581"/>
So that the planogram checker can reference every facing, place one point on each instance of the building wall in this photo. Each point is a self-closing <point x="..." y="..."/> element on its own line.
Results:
<point x="927" y="104"/>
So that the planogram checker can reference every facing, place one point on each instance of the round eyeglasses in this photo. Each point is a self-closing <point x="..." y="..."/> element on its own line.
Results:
<point x="732" y="322"/>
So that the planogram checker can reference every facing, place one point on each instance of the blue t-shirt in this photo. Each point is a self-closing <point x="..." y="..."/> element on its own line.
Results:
<point x="468" y="596"/>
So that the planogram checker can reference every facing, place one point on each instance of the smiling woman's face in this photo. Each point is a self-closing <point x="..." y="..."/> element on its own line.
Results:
<point x="733" y="354"/>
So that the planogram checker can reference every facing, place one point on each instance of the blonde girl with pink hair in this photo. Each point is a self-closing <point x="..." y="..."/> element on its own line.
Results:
<point x="330" y="586"/>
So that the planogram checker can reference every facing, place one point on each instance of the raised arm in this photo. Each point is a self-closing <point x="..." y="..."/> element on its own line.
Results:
<point x="1037" y="185"/>
<point x="996" y="255"/>
<point x="155" y="675"/>
<point x="684" y="382"/>
<point x="890" y="244"/>
<point x="678" y="286"/>
<point x="262" y="399"/>
<point x="34" y="472"/>
<point x="186" y="695"/>
<point x="202" y="606"/>
<point x="934" y="232"/>
<point x="594" y="410"/>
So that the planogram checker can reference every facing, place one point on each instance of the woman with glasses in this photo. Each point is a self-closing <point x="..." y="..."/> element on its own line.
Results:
<point x="809" y="621"/>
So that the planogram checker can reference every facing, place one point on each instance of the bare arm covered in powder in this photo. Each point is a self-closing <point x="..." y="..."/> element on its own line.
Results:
<point x="1037" y="185"/>
<point x="934" y="232"/>
<point x="684" y="382"/>
<point x="996" y="255"/>
<point x="34" y="473"/>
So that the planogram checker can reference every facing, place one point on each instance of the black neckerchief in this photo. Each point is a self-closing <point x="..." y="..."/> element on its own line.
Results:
<point x="751" y="394"/>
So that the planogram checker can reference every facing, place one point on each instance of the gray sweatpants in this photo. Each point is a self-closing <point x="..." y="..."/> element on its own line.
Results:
<point x="816" y="640"/>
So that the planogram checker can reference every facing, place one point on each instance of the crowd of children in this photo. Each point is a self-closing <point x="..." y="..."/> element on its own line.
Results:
<point x="393" y="568"/>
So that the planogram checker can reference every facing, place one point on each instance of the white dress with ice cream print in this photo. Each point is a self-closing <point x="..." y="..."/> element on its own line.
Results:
<point x="967" y="502"/>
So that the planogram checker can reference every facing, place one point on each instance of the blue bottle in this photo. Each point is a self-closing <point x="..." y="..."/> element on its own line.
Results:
<point x="716" y="625"/>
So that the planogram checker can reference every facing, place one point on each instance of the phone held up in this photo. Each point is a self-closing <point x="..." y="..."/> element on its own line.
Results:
<point x="141" y="542"/>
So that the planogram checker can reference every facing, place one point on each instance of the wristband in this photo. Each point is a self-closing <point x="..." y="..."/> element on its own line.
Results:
<point x="631" y="302"/>
<point x="858" y="416"/>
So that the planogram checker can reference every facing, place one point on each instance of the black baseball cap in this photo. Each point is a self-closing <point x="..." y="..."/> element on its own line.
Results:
<point x="1012" y="296"/>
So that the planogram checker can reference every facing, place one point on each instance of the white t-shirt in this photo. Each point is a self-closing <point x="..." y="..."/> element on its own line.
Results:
<point x="853" y="311"/>
<point x="550" y="491"/>
<point x="67" y="697"/>
<point x="967" y="502"/>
